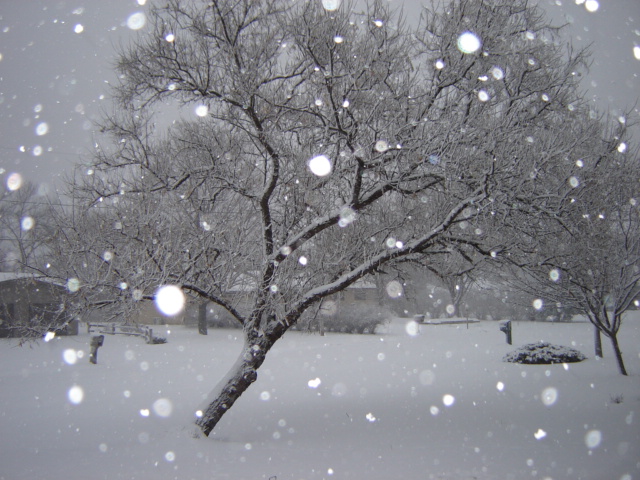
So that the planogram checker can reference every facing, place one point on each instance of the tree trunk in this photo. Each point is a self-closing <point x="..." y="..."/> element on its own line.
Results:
<point x="457" y="291"/>
<point x="618" y="353"/>
<point x="202" y="319"/>
<point x="458" y="307"/>
<point x="239" y="378"/>
<point x="597" y="341"/>
<point x="453" y="296"/>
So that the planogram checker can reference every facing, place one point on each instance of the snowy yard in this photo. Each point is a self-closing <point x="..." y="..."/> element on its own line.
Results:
<point x="437" y="405"/>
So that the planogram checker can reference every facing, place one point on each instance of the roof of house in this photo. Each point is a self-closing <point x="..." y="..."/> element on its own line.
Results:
<point x="247" y="283"/>
<point x="8" y="276"/>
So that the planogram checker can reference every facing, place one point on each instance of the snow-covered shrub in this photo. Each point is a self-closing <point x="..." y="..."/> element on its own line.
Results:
<point x="544" y="353"/>
<point x="354" y="318"/>
<point x="158" y="340"/>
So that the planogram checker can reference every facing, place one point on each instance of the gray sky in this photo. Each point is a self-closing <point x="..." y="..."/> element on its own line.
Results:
<point x="56" y="57"/>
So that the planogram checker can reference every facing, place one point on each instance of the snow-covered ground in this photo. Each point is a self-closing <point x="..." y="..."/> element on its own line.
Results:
<point x="437" y="405"/>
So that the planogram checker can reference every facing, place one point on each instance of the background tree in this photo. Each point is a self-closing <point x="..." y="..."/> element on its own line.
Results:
<point x="25" y="228"/>
<point x="586" y="257"/>
<point x="457" y="271"/>
<point x="326" y="143"/>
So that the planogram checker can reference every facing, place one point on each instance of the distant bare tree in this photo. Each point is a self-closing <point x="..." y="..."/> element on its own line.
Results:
<point x="25" y="228"/>
<point x="324" y="145"/>
<point x="457" y="271"/>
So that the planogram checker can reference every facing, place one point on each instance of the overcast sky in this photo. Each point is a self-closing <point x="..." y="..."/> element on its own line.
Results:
<point x="56" y="59"/>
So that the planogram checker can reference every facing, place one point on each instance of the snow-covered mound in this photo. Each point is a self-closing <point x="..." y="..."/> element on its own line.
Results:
<point x="544" y="353"/>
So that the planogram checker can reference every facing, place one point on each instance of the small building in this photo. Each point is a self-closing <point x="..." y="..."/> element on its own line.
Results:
<point x="32" y="305"/>
<point x="362" y="294"/>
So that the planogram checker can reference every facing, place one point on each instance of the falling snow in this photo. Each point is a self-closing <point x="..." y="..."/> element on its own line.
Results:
<point x="469" y="42"/>
<point x="170" y="300"/>
<point x="202" y="110"/>
<point x="331" y="5"/>
<point x="320" y="165"/>
<point x="412" y="398"/>
<point x="14" y="181"/>
<point x="136" y="21"/>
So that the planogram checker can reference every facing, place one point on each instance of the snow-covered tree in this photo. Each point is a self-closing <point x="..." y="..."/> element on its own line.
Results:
<point x="586" y="255"/>
<point x="457" y="271"/>
<point x="316" y="143"/>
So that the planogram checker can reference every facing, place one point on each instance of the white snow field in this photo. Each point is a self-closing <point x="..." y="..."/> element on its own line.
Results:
<point x="437" y="405"/>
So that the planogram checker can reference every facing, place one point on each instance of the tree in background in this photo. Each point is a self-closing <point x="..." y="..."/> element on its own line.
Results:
<point x="318" y="145"/>
<point x="25" y="228"/>
<point x="457" y="271"/>
<point x="582" y="250"/>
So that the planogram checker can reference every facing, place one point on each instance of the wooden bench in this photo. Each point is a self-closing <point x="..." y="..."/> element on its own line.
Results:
<point x="117" y="329"/>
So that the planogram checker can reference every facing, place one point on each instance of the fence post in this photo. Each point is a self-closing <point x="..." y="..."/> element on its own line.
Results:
<point x="149" y="335"/>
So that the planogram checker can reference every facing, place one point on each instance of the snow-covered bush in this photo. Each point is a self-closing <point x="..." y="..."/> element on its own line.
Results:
<point x="544" y="353"/>
<point x="355" y="319"/>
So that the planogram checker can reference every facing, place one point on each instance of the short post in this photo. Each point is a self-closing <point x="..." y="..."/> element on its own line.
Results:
<point x="505" y="328"/>
<point x="96" y="342"/>
<point x="202" y="318"/>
